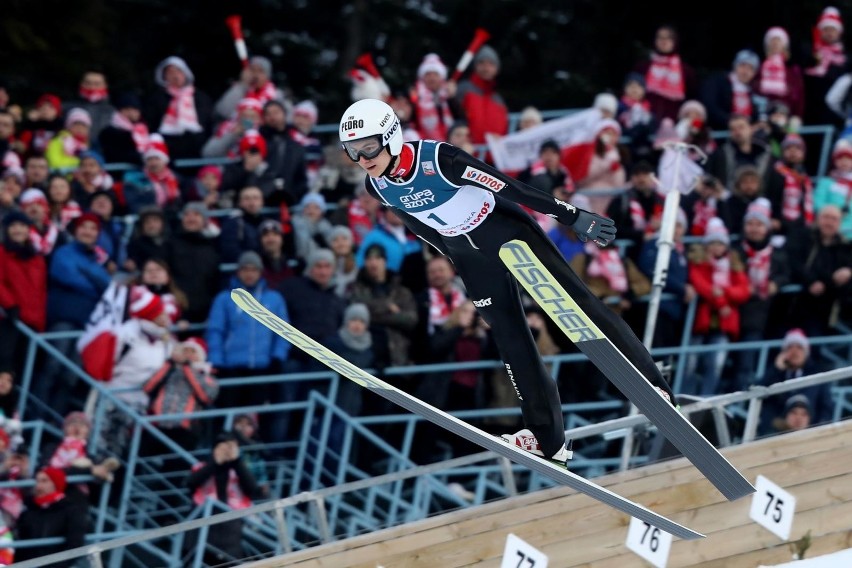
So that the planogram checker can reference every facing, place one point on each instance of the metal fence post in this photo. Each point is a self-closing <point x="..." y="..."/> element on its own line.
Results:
<point x="281" y="525"/>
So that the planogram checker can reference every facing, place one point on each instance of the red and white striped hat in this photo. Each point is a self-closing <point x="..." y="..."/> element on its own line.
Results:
<point x="144" y="304"/>
<point x="830" y="17"/>
<point x="759" y="209"/>
<point x="199" y="345"/>
<point x="779" y="32"/>
<point x="156" y="148"/>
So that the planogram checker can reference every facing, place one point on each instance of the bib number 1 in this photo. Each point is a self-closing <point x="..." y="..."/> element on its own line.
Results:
<point x="437" y="219"/>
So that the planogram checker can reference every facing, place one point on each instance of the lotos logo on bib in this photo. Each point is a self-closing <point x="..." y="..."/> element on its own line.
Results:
<point x="484" y="179"/>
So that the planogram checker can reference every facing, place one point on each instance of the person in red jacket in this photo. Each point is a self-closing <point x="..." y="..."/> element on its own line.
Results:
<point x="720" y="280"/>
<point x="482" y="106"/>
<point x="23" y="285"/>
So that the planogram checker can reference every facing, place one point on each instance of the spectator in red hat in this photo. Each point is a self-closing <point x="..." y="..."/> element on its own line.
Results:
<point x="779" y="79"/>
<point x="144" y="345"/>
<point x="76" y="279"/>
<point x="830" y="59"/>
<point x="49" y="515"/>
<point x="43" y="233"/>
<point x="179" y="111"/>
<point x="834" y="189"/>
<point x="182" y="385"/>
<point x="43" y="122"/>
<point x="157" y="184"/>
<point x="63" y="151"/>
<point x="790" y="189"/>
<point x="23" y="285"/>
<point x="226" y="140"/>
<point x="207" y="187"/>
<point x="156" y="277"/>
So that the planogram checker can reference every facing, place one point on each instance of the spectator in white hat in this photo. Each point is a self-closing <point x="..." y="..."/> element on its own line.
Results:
<point x="719" y="278"/>
<point x="768" y="271"/>
<point x="65" y="148"/>
<point x="795" y="361"/>
<point x="432" y="95"/>
<point x="780" y="79"/>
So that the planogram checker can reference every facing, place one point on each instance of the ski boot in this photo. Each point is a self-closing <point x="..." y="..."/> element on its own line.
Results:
<point x="525" y="440"/>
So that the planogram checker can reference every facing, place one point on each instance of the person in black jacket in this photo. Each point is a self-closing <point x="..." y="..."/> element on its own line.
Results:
<point x="285" y="156"/>
<point x="226" y="478"/>
<point x="241" y="231"/>
<point x="124" y="139"/>
<point x="179" y="111"/>
<point x="193" y="258"/>
<point x="726" y="93"/>
<point x="48" y="515"/>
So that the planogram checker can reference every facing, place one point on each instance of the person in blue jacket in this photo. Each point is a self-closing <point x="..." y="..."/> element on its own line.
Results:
<point x="238" y="346"/>
<point x="76" y="279"/>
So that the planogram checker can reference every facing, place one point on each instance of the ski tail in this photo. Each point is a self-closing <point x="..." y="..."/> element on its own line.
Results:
<point x="558" y="474"/>
<point x="551" y="296"/>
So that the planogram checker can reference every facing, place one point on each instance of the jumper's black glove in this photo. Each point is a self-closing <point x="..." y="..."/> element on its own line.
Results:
<point x="601" y="230"/>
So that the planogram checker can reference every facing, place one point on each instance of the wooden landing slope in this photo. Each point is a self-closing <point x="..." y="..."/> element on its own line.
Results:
<point x="573" y="530"/>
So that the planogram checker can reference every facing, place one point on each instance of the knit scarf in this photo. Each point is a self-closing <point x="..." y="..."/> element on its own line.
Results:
<point x="357" y="342"/>
<point x="606" y="264"/>
<point x="70" y="450"/>
<point x="703" y="211"/>
<point x="826" y="54"/>
<point x="758" y="261"/>
<point x="94" y="95"/>
<point x="234" y="496"/>
<point x="741" y="102"/>
<point x="165" y="185"/>
<point x="773" y="76"/>
<point x="45" y="239"/>
<point x="66" y="213"/>
<point x="665" y="77"/>
<point x="181" y="116"/>
<point x="440" y="309"/>
<point x="636" y="112"/>
<point x="798" y="194"/>
<point x="637" y="216"/>
<point x="45" y="501"/>
<point x="138" y="130"/>
<point x="73" y="145"/>
<point x="721" y="271"/>
<point x="264" y="94"/>
<point x="433" y="112"/>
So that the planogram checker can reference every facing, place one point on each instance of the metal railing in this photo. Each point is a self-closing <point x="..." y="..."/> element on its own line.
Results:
<point x="317" y="498"/>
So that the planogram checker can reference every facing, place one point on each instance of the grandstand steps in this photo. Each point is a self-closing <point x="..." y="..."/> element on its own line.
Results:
<point x="574" y="530"/>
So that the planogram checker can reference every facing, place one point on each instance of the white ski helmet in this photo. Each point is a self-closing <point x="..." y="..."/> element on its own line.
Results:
<point x="367" y="127"/>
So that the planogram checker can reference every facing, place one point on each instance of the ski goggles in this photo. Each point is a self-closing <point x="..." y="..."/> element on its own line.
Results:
<point x="369" y="147"/>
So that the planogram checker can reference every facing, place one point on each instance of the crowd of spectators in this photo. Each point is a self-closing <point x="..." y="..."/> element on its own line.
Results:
<point x="281" y="212"/>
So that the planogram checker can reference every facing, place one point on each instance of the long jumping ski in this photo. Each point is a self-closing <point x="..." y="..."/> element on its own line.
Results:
<point x="252" y="307"/>
<point x="582" y="331"/>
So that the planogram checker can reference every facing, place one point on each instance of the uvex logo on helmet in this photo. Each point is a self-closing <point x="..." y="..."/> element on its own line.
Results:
<point x="387" y="135"/>
<point x="384" y="120"/>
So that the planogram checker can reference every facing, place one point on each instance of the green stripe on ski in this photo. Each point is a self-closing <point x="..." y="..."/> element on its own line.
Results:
<point x="577" y="326"/>
<point x="471" y="433"/>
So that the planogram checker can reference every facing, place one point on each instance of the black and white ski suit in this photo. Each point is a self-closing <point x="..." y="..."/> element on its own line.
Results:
<point x="467" y="209"/>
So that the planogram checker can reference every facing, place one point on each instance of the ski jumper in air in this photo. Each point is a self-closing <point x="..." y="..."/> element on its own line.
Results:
<point x="467" y="210"/>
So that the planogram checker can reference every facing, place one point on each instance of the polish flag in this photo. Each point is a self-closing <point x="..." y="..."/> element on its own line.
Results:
<point x="99" y="342"/>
